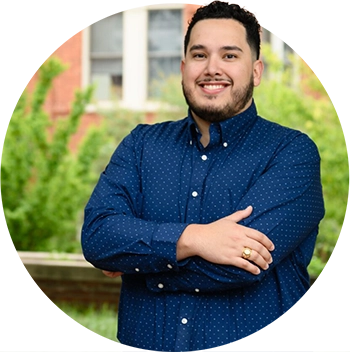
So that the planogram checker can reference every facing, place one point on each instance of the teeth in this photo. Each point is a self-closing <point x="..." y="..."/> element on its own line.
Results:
<point x="212" y="87"/>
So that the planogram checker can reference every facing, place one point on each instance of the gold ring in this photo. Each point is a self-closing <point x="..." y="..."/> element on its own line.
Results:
<point x="246" y="253"/>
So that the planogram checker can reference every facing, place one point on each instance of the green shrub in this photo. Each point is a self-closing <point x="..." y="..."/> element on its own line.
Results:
<point x="102" y="320"/>
<point x="44" y="185"/>
<point x="118" y="124"/>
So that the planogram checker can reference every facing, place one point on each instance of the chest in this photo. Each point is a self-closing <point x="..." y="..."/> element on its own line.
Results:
<point x="184" y="183"/>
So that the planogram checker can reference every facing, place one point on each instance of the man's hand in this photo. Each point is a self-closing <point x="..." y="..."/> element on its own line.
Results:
<point x="112" y="274"/>
<point x="222" y="242"/>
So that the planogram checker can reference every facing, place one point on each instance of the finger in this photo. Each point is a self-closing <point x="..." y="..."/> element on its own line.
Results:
<point x="259" y="260"/>
<point x="241" y="214"/>
<point x="259" y="249"/>
<point x="247" y="266"/>
<point x="107" y="273"/>
<point x="112" y="274"/>
<point x="260" y="238"/>
<point x="117" y="273"/>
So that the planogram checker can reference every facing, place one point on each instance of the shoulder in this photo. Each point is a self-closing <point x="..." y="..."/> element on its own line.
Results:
<point x="274" y="129"/>
<point x="167" y="127"/>
<point x="279" y="132"/>
<point x="158" y="133"/>
<point x="286" y="140"/>
<point x="151" y="137"/>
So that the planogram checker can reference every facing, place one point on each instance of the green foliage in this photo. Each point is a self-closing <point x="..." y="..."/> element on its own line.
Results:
<point x="102" y="321"/>
<point x="293" y="96"/>
<point x="44" y="185"/>
<point x="118" y="124"/>
<point x="169" y="92"/>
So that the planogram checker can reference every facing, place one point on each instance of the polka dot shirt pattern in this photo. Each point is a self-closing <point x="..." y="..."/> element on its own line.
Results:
<point x="159" y="180"/>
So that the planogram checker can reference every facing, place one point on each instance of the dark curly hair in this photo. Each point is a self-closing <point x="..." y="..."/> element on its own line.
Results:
<point x="224" y="10"/>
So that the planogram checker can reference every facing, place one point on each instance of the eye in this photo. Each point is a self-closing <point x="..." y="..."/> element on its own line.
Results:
<point x="198" y="56"/>
<point x="230" y="56"/>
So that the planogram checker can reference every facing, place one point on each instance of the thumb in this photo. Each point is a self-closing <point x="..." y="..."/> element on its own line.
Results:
<point x="241" y="214"/>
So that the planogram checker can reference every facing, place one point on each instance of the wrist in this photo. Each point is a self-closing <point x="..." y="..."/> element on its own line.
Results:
<point x="186" y="245"/>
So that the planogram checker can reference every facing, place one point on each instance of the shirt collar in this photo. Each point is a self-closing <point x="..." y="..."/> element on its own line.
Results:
<point x="230" y="129"/>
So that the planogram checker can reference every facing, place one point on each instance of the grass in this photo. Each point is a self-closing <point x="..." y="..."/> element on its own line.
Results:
<point x="101" y="320"/>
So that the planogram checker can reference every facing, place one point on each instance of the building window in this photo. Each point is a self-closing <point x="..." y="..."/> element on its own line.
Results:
<point x="281" y="49"/>
<point x="288" y="52"/>
<point x="165" y="36"/>
<point x="266" y="36"/>
<point x="106" y="62"/>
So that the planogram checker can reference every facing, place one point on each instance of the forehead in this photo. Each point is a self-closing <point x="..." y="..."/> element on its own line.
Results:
<point x="223" y="31"/>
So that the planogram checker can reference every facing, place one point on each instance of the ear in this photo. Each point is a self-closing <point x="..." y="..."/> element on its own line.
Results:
<point x="258" y="69"/>
<point x="182" y="66"/>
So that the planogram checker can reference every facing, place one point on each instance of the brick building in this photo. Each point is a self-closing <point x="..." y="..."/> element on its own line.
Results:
<point x="122" y="54"/>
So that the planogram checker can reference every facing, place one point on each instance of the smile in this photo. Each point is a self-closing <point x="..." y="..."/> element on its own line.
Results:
<point x="213" y="87"/>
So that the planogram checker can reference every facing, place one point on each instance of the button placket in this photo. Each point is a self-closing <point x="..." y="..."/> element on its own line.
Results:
<point x="199" y="171"/>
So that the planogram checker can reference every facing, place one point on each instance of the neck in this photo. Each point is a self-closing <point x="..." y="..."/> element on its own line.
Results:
<point x="203" y="127"/>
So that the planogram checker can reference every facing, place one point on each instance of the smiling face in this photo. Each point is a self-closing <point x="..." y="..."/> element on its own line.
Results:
<point x="218" y="71"/>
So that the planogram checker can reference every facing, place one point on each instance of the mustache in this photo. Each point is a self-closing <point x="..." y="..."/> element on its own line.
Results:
<point x="209" y="79"/>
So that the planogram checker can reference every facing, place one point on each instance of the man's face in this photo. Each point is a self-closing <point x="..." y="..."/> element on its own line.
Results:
<point x="218" y="71"/>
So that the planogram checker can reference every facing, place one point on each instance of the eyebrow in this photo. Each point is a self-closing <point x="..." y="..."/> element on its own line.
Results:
<point x="226" y="47"/>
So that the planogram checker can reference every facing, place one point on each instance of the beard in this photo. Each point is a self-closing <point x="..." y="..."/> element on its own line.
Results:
<point x="212" y="113"/>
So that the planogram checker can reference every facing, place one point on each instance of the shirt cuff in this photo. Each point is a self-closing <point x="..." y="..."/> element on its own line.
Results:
<point x="164" y="244"/>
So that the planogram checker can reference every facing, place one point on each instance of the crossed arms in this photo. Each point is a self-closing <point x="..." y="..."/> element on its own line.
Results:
<point x="116" y="240"/>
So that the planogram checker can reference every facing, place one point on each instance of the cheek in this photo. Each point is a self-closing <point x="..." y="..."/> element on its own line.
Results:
<point x="187" y="81"/>
<point x="191" y="73"/>
<point x="242" y="76"/>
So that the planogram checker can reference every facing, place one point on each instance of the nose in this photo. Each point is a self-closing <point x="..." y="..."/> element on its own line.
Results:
<point x="213" y="67"/>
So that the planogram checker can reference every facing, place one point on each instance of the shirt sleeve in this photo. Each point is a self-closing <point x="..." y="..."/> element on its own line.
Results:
<point x="288" y="206"/>
<point x="114" y="237"/>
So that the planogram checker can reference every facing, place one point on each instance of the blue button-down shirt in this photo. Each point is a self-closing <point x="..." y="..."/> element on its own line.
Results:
<point x="159" y="180"/>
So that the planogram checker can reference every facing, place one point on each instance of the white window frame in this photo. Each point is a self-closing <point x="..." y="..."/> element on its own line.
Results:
<point x="135" y="60"/>
<point x="86" y="71"/>
<point x="154" y="7"/>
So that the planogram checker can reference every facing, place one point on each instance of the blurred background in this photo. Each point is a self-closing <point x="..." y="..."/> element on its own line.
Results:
<point x="121" y="71"/>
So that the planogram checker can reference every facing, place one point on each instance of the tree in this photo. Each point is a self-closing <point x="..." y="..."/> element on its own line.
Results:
<point x="44" y="185"/>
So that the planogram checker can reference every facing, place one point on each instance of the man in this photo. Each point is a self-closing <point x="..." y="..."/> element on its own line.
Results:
<point x="212" y="219"/>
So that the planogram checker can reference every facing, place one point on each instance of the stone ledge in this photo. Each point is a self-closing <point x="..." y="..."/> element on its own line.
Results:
<point x="56" y="266"/>
<point x="42" y="265"/>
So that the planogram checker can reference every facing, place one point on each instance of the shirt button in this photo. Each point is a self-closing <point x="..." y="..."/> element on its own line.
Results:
<point x="184" y="321"/>
<point x="196" y="289"/>
<point x="194" y="194"/>
<point x="169" y="266"/>
<point x="137" y="269"/>
<point x="225" y="144"/>
<point x="160" y="285"/>
<point x="204" y="157"/>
